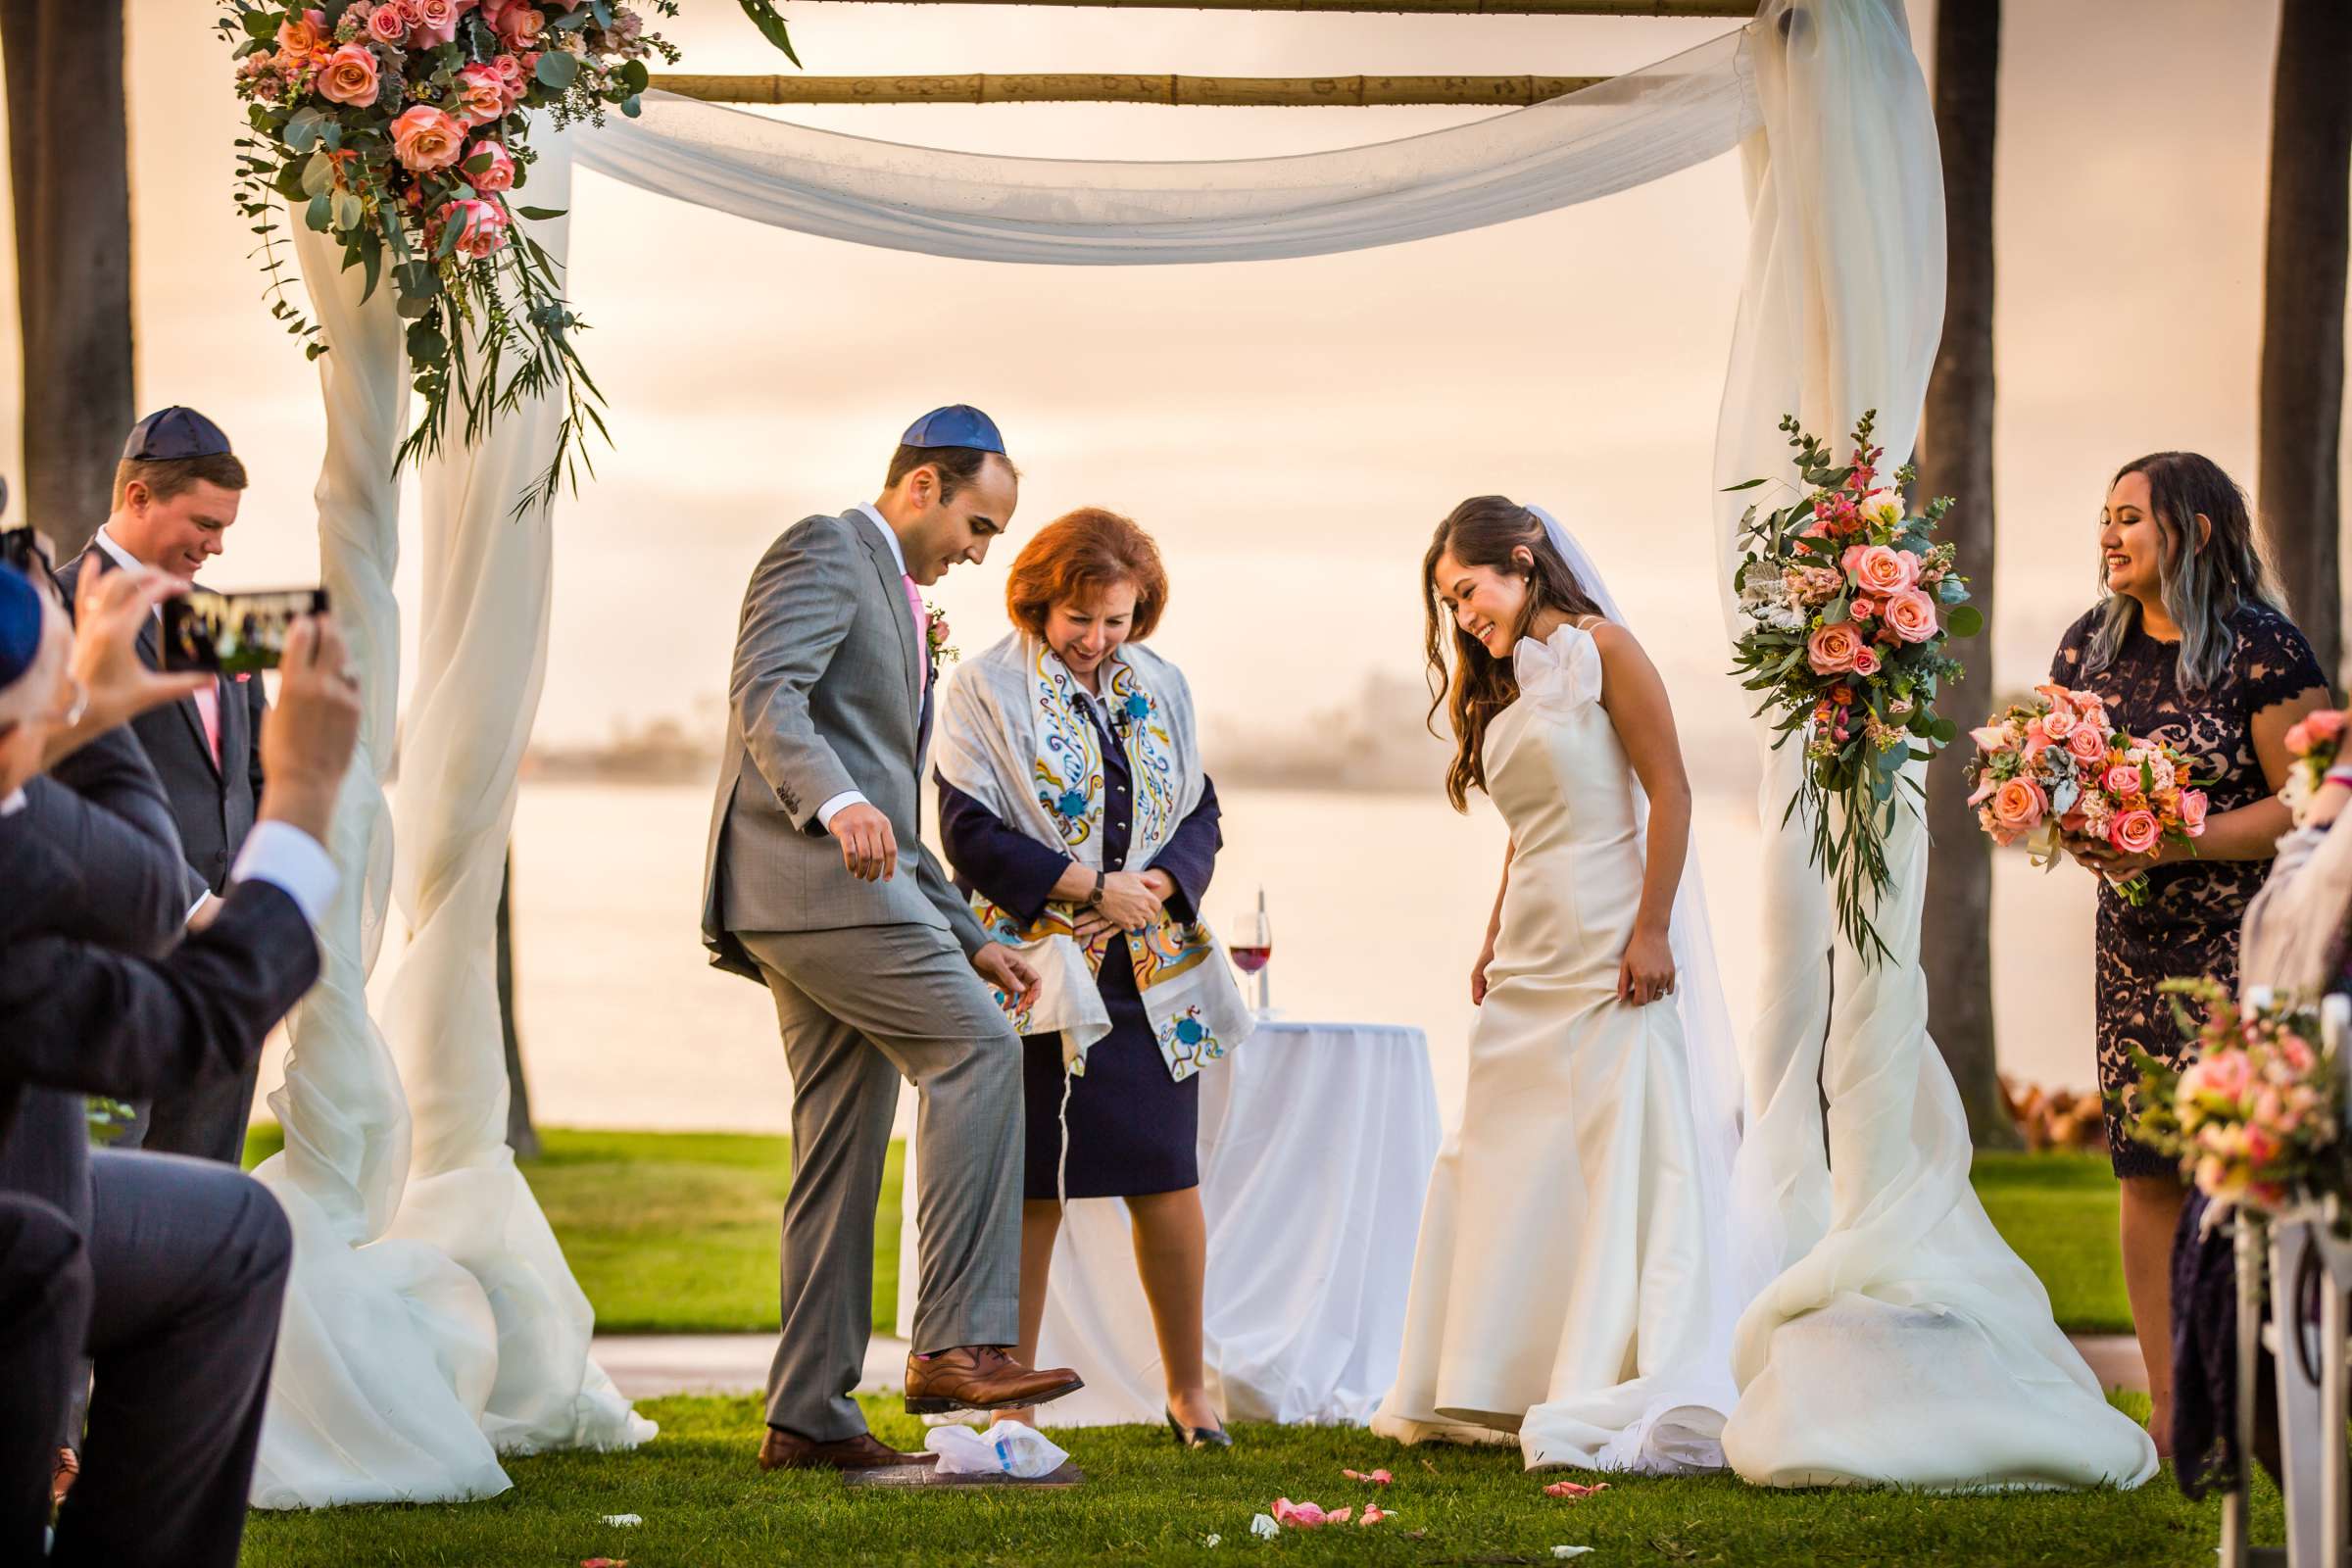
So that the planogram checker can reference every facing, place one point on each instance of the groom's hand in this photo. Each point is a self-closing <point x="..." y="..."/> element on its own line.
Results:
<point x="868" y="848"/>
<point x="1008" y="972"/>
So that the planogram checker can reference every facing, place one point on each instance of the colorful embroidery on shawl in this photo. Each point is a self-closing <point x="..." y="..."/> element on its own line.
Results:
<point x="1188" y="1043"/>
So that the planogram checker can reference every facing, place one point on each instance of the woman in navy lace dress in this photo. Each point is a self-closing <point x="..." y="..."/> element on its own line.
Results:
<point x="2188" y="648"/>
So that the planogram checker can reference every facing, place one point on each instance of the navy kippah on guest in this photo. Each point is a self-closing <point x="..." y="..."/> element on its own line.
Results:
<point x="175" y="432"/>
<point x="20" y="625"/>
<point x="958" y="424"/>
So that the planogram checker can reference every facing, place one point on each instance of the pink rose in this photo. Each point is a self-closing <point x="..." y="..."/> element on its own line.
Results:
<point x="303" y="32"/>
<point x="1912" y="615"/>
<point x="488" y="168"/>
<point x="389" y="24"/>
<point x="2192" y="812"/>
<point x="1866" y="661"/>
<point x="432" y="22"/>
<point x="1304" y="1515"/>
<point x="1864" y="607"/>
<point x="2059" y="723"/>
<point x="481" y="227"/>
<point x="2313" y="730"/>
<point x="2086" y="744"/>
<point x="480" y="96"/>
<point x="2121" y="780"/>
<point x="1880" y="568"/>
<point x="2134" y="832"/>
<point x="348" y="76"/>
<point x="2018" y="805"/>
<point x="1832" y="648"/>
<point x="514" y="71"/>
<point x="520" y="25"/>
<point x="425" y="138"/>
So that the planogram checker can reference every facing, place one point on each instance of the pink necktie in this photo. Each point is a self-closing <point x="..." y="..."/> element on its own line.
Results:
<point x="922" y="631"/>
<point x="208" y="709"/>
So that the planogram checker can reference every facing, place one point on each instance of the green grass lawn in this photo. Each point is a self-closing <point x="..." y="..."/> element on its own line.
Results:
<point x="676" y="1232"/>
<point x="706" y="1505"/>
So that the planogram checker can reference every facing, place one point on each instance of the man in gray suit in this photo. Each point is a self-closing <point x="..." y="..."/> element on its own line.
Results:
<point x="177" y="491"/>
<point x="877" y="968"/>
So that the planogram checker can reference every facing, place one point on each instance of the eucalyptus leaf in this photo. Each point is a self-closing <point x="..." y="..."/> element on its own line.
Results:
<point x="1965" y="620"/>
<point x="318" y="173"/>
<point x="558" y="69"/>
<point x="319" y="214"/>
<point x="540" y="214"/>
<point x="348" y="213"/>
<point x="303" y="130"/>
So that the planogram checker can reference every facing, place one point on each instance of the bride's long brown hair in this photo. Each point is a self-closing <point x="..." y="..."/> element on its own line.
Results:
<point x="1483" y="531"/>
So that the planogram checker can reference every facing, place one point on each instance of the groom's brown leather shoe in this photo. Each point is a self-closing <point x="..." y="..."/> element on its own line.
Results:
<point x="787" y="1450"/>
<point x="981" y="1377"/>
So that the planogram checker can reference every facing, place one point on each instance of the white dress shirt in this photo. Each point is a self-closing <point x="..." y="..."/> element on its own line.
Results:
<point x="849" y="798"/>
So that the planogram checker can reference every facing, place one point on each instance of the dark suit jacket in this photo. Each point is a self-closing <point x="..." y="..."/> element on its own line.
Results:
<point x="80" y="1017"/>
<point x="211" y="805"/>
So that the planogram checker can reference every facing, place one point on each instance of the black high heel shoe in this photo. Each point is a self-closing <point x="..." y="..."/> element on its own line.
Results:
<point x="1198" y="1436"/>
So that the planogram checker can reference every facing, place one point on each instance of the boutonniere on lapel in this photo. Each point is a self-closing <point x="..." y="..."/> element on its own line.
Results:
<point x="938" y="648"/>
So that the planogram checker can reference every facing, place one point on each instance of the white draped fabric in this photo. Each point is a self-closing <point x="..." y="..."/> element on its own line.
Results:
<point x="1904" y="1342"/>
<point x="1624" y="132"/>
<point x="1316" y="1140"/>
<point x="431" y="1322"/>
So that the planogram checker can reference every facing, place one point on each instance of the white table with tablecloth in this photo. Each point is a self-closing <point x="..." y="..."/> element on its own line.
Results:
<point x="1316" y="1143"/>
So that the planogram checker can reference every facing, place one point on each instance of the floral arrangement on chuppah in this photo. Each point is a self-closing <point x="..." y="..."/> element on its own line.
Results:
<point x="2254" y="1119"/>
<point x="2056" y="767"/>
<point x="1848" y="603"/>
<point x="403" y="128"/>
<point x="2314" y="741"/>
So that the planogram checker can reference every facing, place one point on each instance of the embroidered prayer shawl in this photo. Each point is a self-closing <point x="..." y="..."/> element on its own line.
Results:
<point x="1014" y="736"/>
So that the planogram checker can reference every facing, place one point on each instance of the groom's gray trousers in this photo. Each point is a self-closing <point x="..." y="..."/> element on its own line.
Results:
<point x="860" y="1009"/>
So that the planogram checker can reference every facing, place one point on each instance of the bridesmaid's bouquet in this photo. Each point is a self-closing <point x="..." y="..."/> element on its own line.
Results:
<point x="1847" y="604"/>
<point x="2315" y="742"/>
<point x="2056" y="767"/>
<point x="2254" y="1120"/>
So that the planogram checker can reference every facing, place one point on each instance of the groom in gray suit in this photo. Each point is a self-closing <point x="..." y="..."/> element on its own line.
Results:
<point x="818" y="885"/>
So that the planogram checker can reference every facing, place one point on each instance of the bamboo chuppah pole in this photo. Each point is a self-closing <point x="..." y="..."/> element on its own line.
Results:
<point x="1108" y="89"/>
<point x="1730" y="10"/>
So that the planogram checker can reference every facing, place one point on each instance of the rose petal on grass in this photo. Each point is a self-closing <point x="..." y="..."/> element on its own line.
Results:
<point x="1374" y="1513"/>
<point x="1573" y="1492"/>
<point x="1376" y="1478"/>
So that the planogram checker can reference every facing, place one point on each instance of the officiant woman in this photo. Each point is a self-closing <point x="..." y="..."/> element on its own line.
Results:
<point x="1076" y="817"/>
<point x="2186" y="646"/>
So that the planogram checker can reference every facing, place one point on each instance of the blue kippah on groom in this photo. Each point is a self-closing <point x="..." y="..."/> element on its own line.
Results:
<point x="20" y="625"/>
<point x="958" y="424"/>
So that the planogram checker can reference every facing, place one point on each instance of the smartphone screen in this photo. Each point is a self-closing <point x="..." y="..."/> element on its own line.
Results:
<point x="233" y="634"/>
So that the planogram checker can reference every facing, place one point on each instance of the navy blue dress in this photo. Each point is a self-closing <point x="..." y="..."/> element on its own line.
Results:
<point x="1133" y="1129"/>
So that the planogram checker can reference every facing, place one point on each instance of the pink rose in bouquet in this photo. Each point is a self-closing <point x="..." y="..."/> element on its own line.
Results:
<point x="434" y="20"/>
<point x="303" y="32"/>
<point x="2192" y="810"/>
<point x="481" y="227"/>
<point x="1832" y="648"/>
<point x="2255" y="1118"/>
<point x="388" y="24"/>
<point x="1881" y="569"/>
<point x="488" y="168"/>
<point x="1866" y="661"/>
<point x="2122" y="779"/>
<point x="2018" y="807"/>
<point x="1912" y="615"/>
<point x="425" y="138"/>
<point x="2086" y="743"/>
<point x="521" y="25"/>
<point x="350" y="76"/>
<point x="479" y="95"/>
<point x="2135" y="832"/>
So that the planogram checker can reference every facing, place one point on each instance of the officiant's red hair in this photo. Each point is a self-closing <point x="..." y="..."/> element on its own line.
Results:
<point x="1078" y="555"/>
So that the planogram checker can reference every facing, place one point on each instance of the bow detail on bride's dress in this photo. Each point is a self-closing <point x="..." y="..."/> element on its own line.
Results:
<point x="1559" y="673"/>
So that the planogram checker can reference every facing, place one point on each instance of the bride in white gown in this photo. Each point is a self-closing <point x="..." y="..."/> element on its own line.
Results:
<point x="1574" y="1288"/>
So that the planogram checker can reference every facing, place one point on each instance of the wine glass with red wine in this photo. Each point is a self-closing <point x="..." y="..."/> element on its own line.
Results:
<point x="1250" y="941"/>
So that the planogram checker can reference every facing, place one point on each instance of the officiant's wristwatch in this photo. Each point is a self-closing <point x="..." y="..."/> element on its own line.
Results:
<point x="1093" y="895"/>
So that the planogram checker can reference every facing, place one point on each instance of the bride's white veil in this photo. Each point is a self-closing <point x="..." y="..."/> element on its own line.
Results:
<point x="1718" y="1082"/>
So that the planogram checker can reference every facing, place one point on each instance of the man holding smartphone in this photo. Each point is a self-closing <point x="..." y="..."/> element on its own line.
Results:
<point x="177" y="491"/>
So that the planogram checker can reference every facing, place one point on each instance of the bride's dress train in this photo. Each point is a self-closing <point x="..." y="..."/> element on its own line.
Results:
<point x="1568" y="1292"/>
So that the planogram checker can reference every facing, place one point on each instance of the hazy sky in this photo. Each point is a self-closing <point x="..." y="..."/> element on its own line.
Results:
<point x="1290" y="431"/>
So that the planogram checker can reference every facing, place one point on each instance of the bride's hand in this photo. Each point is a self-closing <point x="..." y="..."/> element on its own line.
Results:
<point x="1478" y="974"/>
<point x="1647" y="971"/>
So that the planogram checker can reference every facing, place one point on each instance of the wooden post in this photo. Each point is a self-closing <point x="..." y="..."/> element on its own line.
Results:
<point x="1110" y="88"/>
<point x="69" y="173"/>
<point x="1955" y="459"/>
<point x="2303" y="315"/>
